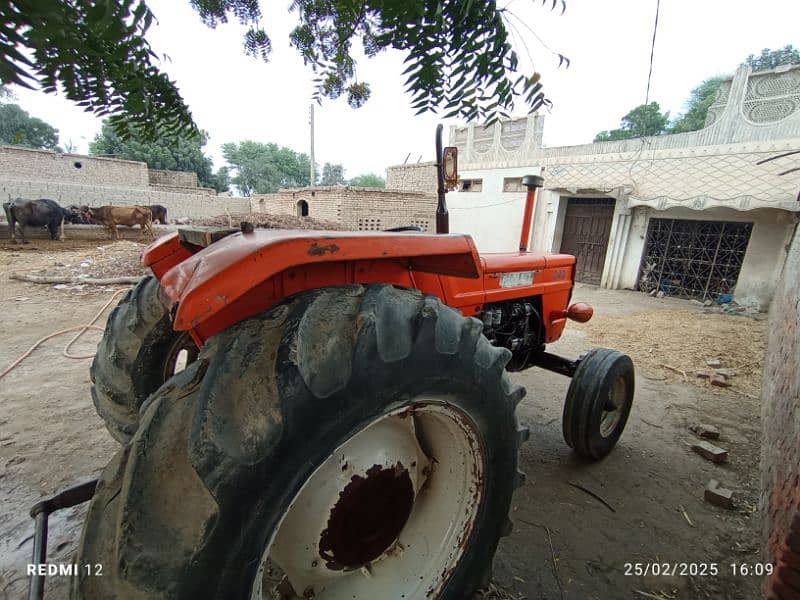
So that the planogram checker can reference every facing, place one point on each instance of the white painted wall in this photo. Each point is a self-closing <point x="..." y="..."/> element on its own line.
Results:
<point x="492" y="217"/>
<point x="766" y="252"/>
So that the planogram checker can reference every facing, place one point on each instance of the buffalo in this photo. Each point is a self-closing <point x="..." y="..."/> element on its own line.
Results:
<point x="159" y="213"/>
<point x="35" y="213"/>
<point x="80" y="214"/>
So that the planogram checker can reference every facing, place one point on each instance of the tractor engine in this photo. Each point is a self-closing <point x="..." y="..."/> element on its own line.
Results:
<point x="516" y="325"/>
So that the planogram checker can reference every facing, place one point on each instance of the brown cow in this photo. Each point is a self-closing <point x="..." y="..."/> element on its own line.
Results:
<point x="111" y="216"/>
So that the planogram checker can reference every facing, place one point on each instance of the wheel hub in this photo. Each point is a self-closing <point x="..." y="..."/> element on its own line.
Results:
<point x="379" y="518"/>
<point x="612" y="410"/>
<point x="368" y="517"/>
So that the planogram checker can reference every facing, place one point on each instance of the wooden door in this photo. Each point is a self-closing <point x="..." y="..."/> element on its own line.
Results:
<point x="587" y="226"/>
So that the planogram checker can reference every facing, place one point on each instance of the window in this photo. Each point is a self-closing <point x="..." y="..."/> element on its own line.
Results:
<point x="471" y="185"/>
<point x="513" y="184"/>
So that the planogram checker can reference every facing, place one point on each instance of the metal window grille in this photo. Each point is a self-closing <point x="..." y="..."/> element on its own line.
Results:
<point x="693" y="259"/>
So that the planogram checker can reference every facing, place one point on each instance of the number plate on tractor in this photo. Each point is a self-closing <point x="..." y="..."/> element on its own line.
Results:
<point x="517" y="278"/>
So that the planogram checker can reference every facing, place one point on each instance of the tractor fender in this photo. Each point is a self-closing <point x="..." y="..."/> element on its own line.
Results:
<point x="246" y="273"/>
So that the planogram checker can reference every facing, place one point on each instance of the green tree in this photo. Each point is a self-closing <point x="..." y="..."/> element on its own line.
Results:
<point x="19" y="128"/>
<point x="368" y="180"/>
<point x="221" y="180"/>
<point x="265" y="168"/>
<point x="459" y="54"/>
<point x="175" y="154"/>
<point x="697" y="106"/>
<point x="332" y="174"/>
<point x="643" y="120"/>
<point x="769" y="59"/>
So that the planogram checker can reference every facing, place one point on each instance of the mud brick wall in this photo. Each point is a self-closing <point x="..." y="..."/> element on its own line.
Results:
<point x="419" y="177"/>
<point x="37" y="165"/>
<point x="780" y="454"/>
<point x="78" y="179"/>
<point x="181" y="179"/>
<point x="360" y="209"/>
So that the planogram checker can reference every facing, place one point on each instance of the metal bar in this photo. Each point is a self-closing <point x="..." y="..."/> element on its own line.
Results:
<point x="41" y="512"/>
<point x="555" y="363"/>
<point x="713" y="262"/>
<point x="531" y="182"/>
<point x="36" y="587"/>
<point x="442" y="216"/>
<point x="524" y="235"/>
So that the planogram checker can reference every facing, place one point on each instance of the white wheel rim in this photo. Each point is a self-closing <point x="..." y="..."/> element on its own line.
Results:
<point x="612" y="413"/>
<point x="333" y="544"/>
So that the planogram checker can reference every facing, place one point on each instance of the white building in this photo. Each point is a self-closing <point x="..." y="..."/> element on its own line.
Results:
<point x="696" y="214"/>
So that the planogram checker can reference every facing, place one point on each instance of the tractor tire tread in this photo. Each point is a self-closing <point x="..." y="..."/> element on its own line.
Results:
<point x="195" y="442"/>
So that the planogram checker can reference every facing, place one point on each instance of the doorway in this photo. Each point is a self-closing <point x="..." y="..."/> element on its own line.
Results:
<point x="587" y="227"/>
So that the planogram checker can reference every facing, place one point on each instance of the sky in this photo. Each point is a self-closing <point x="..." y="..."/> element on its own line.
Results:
<point x="234" y="97"/>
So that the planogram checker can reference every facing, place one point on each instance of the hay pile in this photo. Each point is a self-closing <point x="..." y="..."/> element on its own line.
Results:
<point x="685" y="340"/>
<point x="269" y="221"/>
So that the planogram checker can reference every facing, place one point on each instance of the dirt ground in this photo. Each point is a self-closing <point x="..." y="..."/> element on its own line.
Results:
<point x="565" y="544"/>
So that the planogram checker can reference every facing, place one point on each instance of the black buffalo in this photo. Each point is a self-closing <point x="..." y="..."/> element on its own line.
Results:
<point x="159" y="213"/>
<point x="35" y="213"/>
<point x="80" y="215"/>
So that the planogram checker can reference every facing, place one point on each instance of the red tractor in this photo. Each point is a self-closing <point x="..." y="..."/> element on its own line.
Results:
<point x="316" y="414"/>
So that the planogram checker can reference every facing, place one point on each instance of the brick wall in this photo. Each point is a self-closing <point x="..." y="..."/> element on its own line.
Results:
<point x="356" y="208"/>
<point x="181" y="179"/>
<point x="78" y="179"/>
<point x="28" y="164"/>
<point x="780" y="453"/>
<point x="419" y="177"/>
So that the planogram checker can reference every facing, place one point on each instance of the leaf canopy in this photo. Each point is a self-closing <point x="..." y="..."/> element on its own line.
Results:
<point x="460" y="59"/>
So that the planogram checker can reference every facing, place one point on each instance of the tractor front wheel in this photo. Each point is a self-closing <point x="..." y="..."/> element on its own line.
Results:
<point x="139" y="351"/>
<point x="353" y="442"/>
<point x="598" y="402"/>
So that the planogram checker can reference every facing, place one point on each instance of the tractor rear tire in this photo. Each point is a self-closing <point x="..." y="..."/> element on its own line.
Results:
<point x="210" y="482"/>
<point x="598" y="402"/>
<point x="136" y="355"/>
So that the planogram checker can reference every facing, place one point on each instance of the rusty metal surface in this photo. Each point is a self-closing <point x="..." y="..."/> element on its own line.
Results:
<point x="369" y="515"/>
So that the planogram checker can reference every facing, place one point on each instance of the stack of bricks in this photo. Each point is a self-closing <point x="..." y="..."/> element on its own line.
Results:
<point x="780" y="454"/>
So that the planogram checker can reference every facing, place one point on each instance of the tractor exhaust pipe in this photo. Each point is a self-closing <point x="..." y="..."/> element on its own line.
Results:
<point x="442" y="216"/>
<point x="532" y="182"/>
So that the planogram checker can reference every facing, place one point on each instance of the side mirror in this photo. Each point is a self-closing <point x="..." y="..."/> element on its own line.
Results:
<point x="450" y="167"/>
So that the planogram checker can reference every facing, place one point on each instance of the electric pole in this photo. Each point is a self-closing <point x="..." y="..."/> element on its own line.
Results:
<point x="312" y="178"/>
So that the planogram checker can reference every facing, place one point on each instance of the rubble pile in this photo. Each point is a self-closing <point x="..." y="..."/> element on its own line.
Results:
<point x="269" y="221"/>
